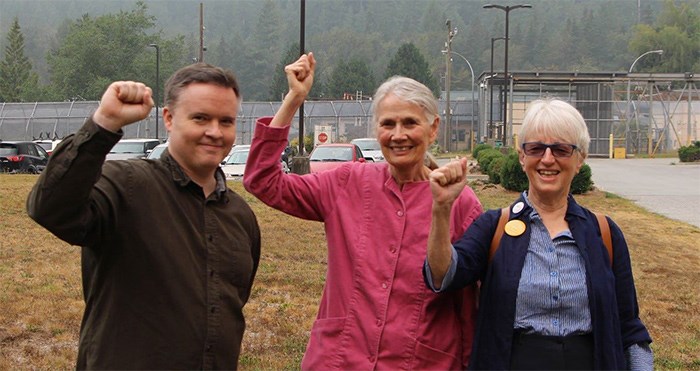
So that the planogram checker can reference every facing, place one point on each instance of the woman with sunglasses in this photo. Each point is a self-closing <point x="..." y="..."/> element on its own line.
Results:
<point x="551" y="296"/>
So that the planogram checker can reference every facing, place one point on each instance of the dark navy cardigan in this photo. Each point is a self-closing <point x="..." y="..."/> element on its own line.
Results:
<point x="611" y="292"/>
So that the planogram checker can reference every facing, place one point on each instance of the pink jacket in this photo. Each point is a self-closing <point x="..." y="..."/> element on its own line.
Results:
<point x="376" y="312"/>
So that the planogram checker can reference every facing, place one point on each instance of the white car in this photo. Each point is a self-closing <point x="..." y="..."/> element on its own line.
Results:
<point x="157" y="151"/>
<point x="371" y="150"/>
<point x="234" y="166"/>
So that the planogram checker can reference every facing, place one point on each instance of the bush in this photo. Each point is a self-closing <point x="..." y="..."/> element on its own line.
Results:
<point x="582" y="182"/>
<point x="690" y="153"/>
<point x="513" y="177"/>
<point x="478" y="148"/>
<point x="308" y="143"/>
<point x="495" y="169"/>
<point x="486" y="156"/>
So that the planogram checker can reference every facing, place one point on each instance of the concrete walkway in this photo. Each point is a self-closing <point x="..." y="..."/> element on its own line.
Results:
<point x="664" y="185"/>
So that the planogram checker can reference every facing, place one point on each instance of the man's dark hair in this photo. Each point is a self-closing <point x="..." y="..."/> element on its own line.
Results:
<point x="198" y="73"/>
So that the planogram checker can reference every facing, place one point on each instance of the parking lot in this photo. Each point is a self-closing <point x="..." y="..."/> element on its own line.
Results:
<point x="662" y="185"/>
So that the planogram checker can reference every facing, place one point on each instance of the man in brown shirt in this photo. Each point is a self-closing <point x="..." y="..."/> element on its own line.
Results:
<point x="169" y="252"/>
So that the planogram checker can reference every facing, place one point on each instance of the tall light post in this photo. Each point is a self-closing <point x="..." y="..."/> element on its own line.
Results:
<point x="507" y="9"/>
<point x="472" y="72"/>
<point x="490" y="133"/>
<point x="629" y="89"/>
<point x="157" y="95"/>
<point x="448" y="68"/>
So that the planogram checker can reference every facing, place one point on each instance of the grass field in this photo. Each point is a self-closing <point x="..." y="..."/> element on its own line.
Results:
<point x="41" y="299"/>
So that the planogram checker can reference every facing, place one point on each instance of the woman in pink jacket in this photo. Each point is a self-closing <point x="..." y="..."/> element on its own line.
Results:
<point x="375" y="312"/>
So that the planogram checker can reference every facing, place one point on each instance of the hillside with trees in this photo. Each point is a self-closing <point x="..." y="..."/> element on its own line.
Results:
<point x="71" y="49"/>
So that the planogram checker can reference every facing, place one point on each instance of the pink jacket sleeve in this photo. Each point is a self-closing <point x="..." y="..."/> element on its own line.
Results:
<point x="307" y="196"/>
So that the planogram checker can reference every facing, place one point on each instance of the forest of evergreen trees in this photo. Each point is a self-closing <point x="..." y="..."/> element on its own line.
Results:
<point x="72" y="49"/>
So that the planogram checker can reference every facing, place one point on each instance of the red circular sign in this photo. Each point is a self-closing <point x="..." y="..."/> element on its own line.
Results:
<point x="323" y="137"/>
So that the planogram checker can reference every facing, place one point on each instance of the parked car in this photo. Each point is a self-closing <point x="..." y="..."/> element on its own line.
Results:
<point x="370" y="148"/>
<point x="329" y="156"/>
<point x="22" y="157"/>
<point x="157" y="151"/>
<point x="47" y="144"/>
<point x="234" y="166"/>
<point x="132" y="148"/>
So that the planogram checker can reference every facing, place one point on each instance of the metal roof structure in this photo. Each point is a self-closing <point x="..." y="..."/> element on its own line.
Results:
<point x="642" y="112"/>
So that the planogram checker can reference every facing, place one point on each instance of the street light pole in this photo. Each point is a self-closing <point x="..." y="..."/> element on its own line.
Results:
<point x="157" y="95"/>
<point x="490" y="133"/>
<point x="472" y="72"/>
<point x="506" y="9"/>
<point x="629" y="92"/>
<point x="448" y="76"/>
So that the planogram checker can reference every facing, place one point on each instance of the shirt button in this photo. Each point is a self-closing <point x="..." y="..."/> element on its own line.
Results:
<point x="384" y="285"/>
<point x="211" y="273"/>
<point x="555" y="322"/>
<point x="392" y="249"/>
<point x="213" y="309"/>
<point x="555" y="297"/>
<point x="208" y="347"/>
<point x="379" y="323"/>
<point x="553" y="274"/>
<point x="551" y="249"/>
<point x="399" y="213"/>
<point x="211" y="238"/>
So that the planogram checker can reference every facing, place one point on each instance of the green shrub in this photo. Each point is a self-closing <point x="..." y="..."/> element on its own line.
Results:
<point x="582" y="181"/>
<point x="495" y="169"/>
<point x="478" y="148"/>
<point x="486" y="156"/>
<point x="513" y="177"/>
<point x="308" y="143"/>
<point x="690" y="153"/>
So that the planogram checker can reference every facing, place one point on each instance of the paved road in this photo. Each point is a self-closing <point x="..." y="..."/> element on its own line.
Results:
<point x="665" y="186"/>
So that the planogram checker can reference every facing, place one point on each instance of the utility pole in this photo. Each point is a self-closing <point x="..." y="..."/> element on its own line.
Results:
<point x="506" y="85"/>
<point x="448" y="118"/>
<point x="201" y="32"/>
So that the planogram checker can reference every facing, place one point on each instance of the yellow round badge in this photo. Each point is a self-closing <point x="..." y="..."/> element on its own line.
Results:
<point x="515" y="227"/>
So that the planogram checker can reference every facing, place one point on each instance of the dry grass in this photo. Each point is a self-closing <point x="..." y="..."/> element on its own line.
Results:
<point x="41" y="299"/>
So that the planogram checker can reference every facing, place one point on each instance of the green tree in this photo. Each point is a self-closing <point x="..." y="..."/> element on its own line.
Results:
<point x="279" y="85"/>
<point x="409" y="62"/>
<point x="351" y="77"/>
<point x="97" y="51"/>
<point x="18" y="83"/>
<point x="264" y="45"/>
<point x="677" y="32"/>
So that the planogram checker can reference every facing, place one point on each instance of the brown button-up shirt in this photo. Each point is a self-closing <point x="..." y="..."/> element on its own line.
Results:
<point x="166" y="271"/>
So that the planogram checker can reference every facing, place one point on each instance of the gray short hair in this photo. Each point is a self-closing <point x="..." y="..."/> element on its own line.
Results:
<point x="408" y="90"/>
<point x="556" y="118"/>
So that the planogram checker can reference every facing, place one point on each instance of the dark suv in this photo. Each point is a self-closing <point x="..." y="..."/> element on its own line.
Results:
<point x="22" y="157"/>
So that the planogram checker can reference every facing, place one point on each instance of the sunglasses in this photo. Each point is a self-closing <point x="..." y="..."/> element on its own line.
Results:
<point x="537" y="149"/>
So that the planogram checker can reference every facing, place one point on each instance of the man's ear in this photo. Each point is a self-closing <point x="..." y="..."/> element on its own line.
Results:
<point x="167" y="119"/>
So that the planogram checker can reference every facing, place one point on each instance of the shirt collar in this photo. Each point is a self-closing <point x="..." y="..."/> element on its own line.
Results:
<point x="572" y="208"/>
<point x="182" y="179"/>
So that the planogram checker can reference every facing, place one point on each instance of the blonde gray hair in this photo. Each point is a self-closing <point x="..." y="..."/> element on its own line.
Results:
<point x="555" y="118"/>
<point x="408" y="90"/>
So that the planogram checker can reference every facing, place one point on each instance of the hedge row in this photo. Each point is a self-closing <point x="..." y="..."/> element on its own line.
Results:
<point x="507" y="171"/>
<point x="690" y="153"/>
